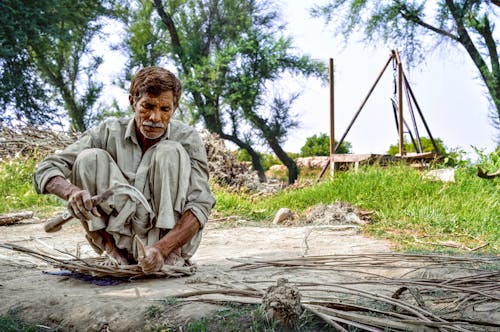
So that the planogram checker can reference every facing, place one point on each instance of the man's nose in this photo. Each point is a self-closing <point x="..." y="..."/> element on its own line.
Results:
<point x="155" y="115"/>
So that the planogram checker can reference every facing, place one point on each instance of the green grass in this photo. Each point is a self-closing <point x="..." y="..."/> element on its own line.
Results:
<point x="241" y="317"/>
<point x="17" y="190"/>
<point x="406" y="205"/>
<point x="10" y="322"/>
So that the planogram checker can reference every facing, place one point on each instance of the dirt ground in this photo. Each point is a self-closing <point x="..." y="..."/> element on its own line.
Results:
<point x="75" y="305"/>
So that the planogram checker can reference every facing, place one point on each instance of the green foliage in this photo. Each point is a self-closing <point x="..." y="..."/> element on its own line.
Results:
<point x="406" y="204"/>
<point x="10" y="322"/>
<point x="46" y="62"/>
<point x="320" y="146"/>
<point x="267" y="159"/>
<point x="427" y="146"/>
<point x="17" y="190"/>
<point x="243" y="317"/>
<point x="143" y="36"/>
<point x="490" y="162"/>
<point x="228" y="54"/>
<point x="415" y="24"/>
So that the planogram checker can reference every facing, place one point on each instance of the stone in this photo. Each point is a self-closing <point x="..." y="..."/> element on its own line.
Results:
<point x="283" y="215"/>
<point x="444" y="175"/>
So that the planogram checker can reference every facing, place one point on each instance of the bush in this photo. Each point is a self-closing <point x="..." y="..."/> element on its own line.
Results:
<point x="320" y="146"/>
<point x="267" y="159"/>
<point x="426" y="146"/>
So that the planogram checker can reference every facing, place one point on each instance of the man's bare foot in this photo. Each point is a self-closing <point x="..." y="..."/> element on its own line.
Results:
<point x="115" y="257"/>
<point x="175" y="258"/>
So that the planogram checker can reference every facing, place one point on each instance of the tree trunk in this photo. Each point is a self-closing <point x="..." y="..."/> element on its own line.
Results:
<point x="490" y="78"/>
<point x="293" y="171"/>
<point x="256" y="162"/>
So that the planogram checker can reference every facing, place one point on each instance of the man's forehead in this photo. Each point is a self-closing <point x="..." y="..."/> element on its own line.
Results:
<point x="164" y="97"/>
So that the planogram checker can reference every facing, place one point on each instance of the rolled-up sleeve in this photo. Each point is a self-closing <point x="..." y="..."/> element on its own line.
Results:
<point x="60" y="164"/>
<point x="199" y="199"/>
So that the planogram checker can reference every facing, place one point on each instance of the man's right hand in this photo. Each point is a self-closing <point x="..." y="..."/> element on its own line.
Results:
<point x="81" y="205"/>
<point x="80" y="202"/>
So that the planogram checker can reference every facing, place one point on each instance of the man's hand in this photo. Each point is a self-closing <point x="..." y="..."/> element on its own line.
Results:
<point x="81" y="205"/>
<point x="152" y="261"/>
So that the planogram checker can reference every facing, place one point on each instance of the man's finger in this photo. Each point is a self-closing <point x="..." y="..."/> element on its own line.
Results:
<point x="86" y="214"/>
<point x="95" y="212"/>
<point x="78" y="203"/>
<point x="87" y="200"/>
<point x="72" y="211"/>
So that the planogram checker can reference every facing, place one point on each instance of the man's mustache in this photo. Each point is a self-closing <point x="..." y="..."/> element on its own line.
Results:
<point x="153" y="124"/>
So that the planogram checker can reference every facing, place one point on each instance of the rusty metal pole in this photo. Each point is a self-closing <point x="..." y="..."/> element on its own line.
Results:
<point x="332" y="119"/>
<point x="400" y="104"/>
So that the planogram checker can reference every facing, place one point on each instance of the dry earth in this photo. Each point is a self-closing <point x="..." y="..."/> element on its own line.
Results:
<point x="75" y="305"/>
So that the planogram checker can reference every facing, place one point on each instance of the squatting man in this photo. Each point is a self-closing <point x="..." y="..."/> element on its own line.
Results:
<point x="161" y="157"/>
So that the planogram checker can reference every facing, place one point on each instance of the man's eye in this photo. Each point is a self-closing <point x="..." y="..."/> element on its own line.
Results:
<point x="165" y="109"/>
<point x="147" y="106"/>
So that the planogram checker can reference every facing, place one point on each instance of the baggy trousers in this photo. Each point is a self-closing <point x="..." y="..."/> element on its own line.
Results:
<point x="162" y="176"/>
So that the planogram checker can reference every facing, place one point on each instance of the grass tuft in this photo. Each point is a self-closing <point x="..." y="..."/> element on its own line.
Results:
<point x="17" y="190"/>
<point x="407" y="205"/>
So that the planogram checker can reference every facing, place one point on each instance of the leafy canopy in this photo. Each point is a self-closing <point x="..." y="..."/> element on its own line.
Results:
<point x="319" y="145"/>
<point x="426" y="146"/>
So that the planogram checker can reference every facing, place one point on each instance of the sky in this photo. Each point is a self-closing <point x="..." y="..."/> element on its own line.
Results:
<point x="447" y="87"/>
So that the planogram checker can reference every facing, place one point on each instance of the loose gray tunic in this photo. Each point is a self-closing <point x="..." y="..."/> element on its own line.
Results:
<point x="172" y="175"/>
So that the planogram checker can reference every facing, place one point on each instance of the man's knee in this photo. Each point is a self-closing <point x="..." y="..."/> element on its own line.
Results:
<point x="91" y="157"/>
<point x="170" y="152"/>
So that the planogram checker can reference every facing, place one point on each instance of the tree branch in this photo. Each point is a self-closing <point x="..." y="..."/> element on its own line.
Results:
<point x="417" y="20"/>
<point x="465" y="39"/>
<point x="485" y="31"/>
<point x="174" y="36"/>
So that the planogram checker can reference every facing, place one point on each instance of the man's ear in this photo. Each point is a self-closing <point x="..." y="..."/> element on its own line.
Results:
<point x="131" y="101"/>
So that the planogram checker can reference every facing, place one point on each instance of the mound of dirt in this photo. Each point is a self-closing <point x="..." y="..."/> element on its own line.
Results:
<point x="339" y="213"/>
<point x="224" y="168"/>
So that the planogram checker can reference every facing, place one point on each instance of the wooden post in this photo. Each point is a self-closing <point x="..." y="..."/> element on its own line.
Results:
<point x="323" y="170"/>
<point x="400" y="105"/>
<point x="332" y="119"/>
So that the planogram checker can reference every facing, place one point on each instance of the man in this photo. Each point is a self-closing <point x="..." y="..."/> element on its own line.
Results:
<point x="163" y="158"/>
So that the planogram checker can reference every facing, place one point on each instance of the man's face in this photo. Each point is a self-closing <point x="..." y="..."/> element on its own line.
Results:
<point x="152" y="114"/>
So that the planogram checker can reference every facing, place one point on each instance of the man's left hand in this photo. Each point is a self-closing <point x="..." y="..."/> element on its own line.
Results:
<point x="152" y="261"/>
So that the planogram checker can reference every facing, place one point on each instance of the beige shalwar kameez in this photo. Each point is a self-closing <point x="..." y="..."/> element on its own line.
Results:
<point x="172" y="175"/>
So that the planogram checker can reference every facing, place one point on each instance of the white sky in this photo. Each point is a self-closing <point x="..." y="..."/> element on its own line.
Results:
<point x="447" y="89"/>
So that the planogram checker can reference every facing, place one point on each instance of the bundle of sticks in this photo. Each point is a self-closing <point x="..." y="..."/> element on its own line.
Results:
<point x="93" y="266"/>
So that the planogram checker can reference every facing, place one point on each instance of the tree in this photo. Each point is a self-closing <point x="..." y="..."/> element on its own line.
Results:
<point x="319" y="145"/>
<point x="464" y="23"/>
<point x="228" y="53"/>
<point x="45" y="60"/>
<point x="427" y="146"/>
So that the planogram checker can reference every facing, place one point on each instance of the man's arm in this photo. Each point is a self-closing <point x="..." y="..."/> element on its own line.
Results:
<point x="199" y="197"/>
<point x="80" y="203"/>
<point x="60" y="164"/>
<point x="50" y="177"/>
<point x="154" y="257"/>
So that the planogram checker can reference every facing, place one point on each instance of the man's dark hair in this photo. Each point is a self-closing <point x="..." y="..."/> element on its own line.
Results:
<point x="155" y="80"/>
